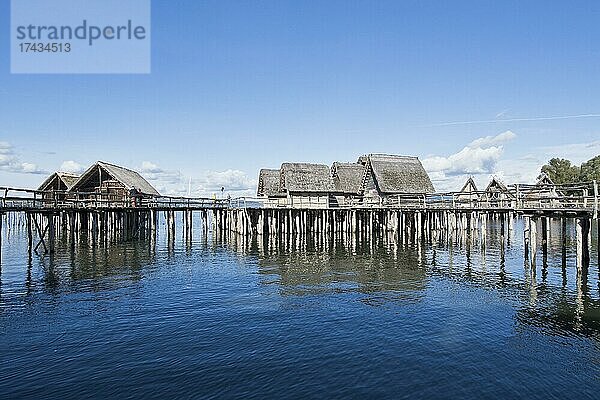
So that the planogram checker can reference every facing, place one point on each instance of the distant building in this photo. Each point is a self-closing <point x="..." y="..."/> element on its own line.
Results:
<point x="57" y="184"/>
<point x="468" y="195"/>
<point x="59" y="181"/>
<point x="544" y="180"/>
<point x="306" y="184"/>
<point x="268" y="187"/>
<point x="497" y="194"/>
<point x="348" y="180"/>
<point x="388" y="175"/>
<point x="544" y="193"/>
<point x="374" y="178"/>
<point x="109" y="182"/>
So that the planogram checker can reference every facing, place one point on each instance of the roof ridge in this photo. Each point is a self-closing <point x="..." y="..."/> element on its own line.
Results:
<point x="391" y="155"/>
<point x="118" y="166"/>
<point x="67" y="173"/>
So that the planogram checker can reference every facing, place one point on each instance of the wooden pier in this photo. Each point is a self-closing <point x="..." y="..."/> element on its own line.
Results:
<point x="412" y="218"/>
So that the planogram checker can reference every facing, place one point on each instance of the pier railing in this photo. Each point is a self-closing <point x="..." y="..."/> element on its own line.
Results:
<point x="25" y="199"/>
<point x="575" y="197"/>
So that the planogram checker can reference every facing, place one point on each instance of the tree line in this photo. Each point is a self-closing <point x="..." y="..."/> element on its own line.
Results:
<point x="562" y="171"/>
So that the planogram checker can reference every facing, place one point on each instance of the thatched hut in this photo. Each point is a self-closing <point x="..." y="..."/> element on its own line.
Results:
<point x="268" y="187"/>
<point x="468" y="194"/>
<point x="109" y="182"/>
<point x="375" y="177"/>
<point x="389" y="175"/>
<point x="544" y="180"/>
<point x="306" y="185"/>
<point x="57" y="184"/>
<point x="497" y="194"/>
<point x="348" y="179"/>
<point x="544" y="193"/>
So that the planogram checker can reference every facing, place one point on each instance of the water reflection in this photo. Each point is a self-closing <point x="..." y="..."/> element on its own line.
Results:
<point x="379" y="271"/>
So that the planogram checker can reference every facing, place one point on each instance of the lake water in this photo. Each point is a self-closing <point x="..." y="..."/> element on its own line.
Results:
<point x="301" y="318"/>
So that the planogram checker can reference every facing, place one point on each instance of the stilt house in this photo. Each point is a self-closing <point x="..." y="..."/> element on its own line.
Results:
<point x="468" y="195"/>
<point x="111" y="183"/>
<point x="388" y="176"/>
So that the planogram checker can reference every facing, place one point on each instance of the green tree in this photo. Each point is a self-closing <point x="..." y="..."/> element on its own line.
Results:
<point x="561" y="171"/>
<point x="590" y="170"/>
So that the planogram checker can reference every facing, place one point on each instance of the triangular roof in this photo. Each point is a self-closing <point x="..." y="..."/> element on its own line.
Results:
<point x="127" y="177"/>
<point x="66" y="178"/>
<point x="496" y="186"/>
<point x="398" y="174"/>
<point x="305" y="178"/>
<point x="268" y="183"/>
<point x="544" y="179"/>
<point x="469" y="186"/>
<point x="348" y="177"/>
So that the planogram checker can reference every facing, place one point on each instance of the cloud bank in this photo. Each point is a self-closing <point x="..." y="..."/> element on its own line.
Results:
<point x="10" y="162"/>
<point x="205" y="184"/>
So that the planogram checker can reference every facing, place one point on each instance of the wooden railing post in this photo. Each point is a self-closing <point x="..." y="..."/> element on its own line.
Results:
<point x="595" y="199"/>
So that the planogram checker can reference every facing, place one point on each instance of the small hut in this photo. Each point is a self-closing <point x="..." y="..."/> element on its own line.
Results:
<point x="306" y="185"/>
<point x="468" y="194"/>
<point x="112" y="183"/>
<point x="544" y="192"/>
<point x="497" y="194"/>
<point x="387" y="176"/>
<point x="544" y="180"/>
<point x="57" y="184"/>
<point x="268" y="187"/>
<point x="348" y="181"/>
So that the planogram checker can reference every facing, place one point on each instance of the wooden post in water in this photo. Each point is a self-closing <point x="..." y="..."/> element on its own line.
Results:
<point x="545" y="234"/>
<point x="563" y="232"/>
<point x="583" y="251"/>
<point x="51" y="232"/>
<point x="526" y="230"/>
<point x="533" y="239"/>
<point x="1" y="218"/>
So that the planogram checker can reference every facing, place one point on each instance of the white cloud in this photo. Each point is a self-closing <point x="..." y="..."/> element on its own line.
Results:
<point x="205" y="184"/>
<point x="479" y="158"/>
<point x="484" y="157"/>
<point x="576" y="152"/>
<point x="489" y="141"/>
<point x="234" y="181"/>
<point x="72" y="166"/>
<point x="10" y="162"/>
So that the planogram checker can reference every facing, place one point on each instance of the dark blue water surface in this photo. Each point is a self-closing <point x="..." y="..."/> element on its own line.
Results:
<point x="299" y="318"/>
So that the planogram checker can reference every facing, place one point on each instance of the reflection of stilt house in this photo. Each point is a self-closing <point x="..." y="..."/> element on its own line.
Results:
<point x="389" y="176"/>
<point x="112" y="183"/>
<point x="348" y="181"/>
<point x="57" y="185"/>
<point x="497" y="194"/>
<point x="468" y="195"/>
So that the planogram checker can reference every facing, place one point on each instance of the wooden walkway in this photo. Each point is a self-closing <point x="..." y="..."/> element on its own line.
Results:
<point x="412" y="216"/>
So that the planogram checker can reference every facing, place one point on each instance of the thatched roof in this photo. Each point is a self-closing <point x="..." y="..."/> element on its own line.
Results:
<point x="62" y="180"/>
<point x="469" y="187"/>
<point x="268" y="183"/>
<point x="126" y="177"/>
<point x="496" y="186"/>
<point x="305" y="178"/>
<point x="348" y="178"/>
<point x="398" y="174"/>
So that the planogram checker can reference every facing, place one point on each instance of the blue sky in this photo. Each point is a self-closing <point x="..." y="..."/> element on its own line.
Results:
<point x="236" y="86"/>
